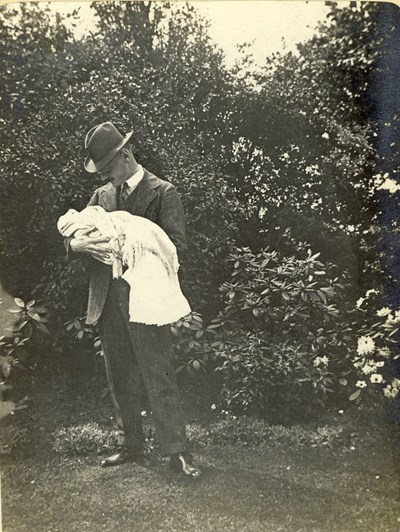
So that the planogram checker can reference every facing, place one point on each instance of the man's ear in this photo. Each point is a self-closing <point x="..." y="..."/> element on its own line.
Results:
<point x="125" y="154"/>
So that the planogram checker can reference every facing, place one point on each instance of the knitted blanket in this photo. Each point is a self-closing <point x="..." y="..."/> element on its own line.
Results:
<point x="155" y="297"/>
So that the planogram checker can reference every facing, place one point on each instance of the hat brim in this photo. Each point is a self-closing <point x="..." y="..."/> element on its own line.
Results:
<point x="93" y="167"/>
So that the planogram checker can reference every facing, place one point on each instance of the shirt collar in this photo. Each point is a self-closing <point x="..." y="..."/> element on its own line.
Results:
<point x="135" y="179"/>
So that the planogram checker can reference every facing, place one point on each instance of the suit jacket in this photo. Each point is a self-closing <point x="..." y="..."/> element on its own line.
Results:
<point x="154" y="199"/>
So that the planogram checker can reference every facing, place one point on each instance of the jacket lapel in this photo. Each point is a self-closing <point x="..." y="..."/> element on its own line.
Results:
<point x="109" y="198"/>
<point x="140" y="198"/>
<point x="137" y="202"/>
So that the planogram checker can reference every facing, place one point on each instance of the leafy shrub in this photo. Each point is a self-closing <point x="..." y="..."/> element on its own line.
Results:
<point x="15" y="348"/>
<point x="194" y="342"/>
<point x="281" y="334"/>
<point x="85" y="439"/>
<point x="92" y="438"/>
<point x="86" y="335"/>
<point x="243" y="430"/>
<point x="272" y="380"/>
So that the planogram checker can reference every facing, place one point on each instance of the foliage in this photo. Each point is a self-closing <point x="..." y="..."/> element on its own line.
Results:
<point x="297" y="156"/>
<point x="377" y="354"/>
<point x="230" y="430"/>
<point x="233" y="430"/>
<point x="274" y="381"/>
<point x="83" y="439"/>
<point x="195" y="123"/>
<point x="91" y="437"/>
<point x="14" y="349"/>
<point x="86" y="334"/>
<point x="194" y="342"/>
<point x="317" y="160"/>
<point x="17" y="439"/>
<point x="161" y="89"/>
<point x="29" y="318"/>
<point x="282" y="332"/>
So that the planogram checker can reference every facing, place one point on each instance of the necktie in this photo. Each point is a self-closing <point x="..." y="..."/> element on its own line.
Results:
<point x="123" y="194"/>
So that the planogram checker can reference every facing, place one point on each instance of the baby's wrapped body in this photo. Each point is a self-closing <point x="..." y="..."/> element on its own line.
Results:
<point x="147" y="253"/>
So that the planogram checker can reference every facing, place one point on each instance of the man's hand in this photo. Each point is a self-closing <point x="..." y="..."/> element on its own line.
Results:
<point x="85" y="244"/>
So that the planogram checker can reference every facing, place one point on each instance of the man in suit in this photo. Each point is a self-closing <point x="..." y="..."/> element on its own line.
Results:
<point x="136" y="354"/>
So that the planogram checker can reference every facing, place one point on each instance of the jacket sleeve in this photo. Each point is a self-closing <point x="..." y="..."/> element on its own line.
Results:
<point x="171" y="219"/>
<point x="94" y="200"/>
<point x="67" y="240"/>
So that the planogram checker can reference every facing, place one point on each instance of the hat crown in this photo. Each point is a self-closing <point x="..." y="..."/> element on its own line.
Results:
<point x="102" y="140"/>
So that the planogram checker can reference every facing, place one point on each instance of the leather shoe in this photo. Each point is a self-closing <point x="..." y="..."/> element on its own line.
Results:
<point x="183" y="463"/>
<point x="122" y="457"/>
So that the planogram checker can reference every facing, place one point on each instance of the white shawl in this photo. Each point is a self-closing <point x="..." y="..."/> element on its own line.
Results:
<point x="150" y="257"/>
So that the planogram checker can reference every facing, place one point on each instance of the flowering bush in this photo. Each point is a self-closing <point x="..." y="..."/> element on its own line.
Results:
<point x="377" y="348"/>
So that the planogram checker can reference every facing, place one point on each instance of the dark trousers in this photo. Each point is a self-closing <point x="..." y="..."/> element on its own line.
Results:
<point x="140" y="357"/>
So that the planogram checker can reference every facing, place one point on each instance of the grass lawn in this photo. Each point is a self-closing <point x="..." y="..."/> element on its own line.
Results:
<point x="350" y="486"/>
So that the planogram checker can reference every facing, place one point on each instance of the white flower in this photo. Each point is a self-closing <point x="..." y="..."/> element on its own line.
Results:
<point x="372" y="291"/>
<point x="341" y="412"/>
<point x="384" y="352"/>
<point x="380" y="364"/>
<point x="361" y="384"/>
<point x="388" y="392"/>
<point x="325" y="135"/>
<point x="285" y="156"/>
<point x="143" y="413"/>
<point x="397" y="315"/>
<point x="370" y="367"/>
<point x="392" y="390"/>
<point x="360" y="301"/>
<point x="321" y="360"/>
<point x="376" y="377"/>
<point x="358" y="364"/>
<point x="213" y="407"/>
<point x="384" y="311"/>
<point x="389" y="184"/>
<point x="365" y="345"/>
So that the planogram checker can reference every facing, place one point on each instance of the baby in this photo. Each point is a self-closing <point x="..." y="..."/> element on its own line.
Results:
<point x="146" y="251"/>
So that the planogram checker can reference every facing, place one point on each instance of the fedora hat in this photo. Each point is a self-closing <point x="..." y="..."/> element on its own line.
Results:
<point x="103" y="142"/>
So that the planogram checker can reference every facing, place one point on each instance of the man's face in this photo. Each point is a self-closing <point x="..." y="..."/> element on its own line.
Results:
<point x="116" y="170"/>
